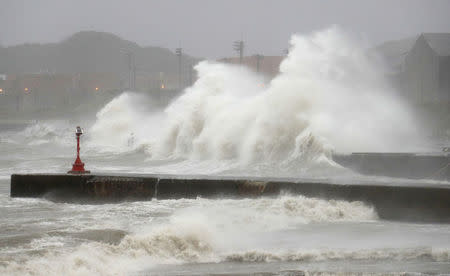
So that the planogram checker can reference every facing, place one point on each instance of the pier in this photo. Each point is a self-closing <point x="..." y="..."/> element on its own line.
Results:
<point x="415" y="195"/>
<point x="403" y="165"/>
<point x="409" y="201"/>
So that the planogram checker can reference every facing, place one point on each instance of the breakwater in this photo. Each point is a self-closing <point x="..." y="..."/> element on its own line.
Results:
<point x="404" y="202"/>
<point x="403" y="165"/>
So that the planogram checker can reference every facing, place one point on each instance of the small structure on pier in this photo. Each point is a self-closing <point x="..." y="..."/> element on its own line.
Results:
<point x="78" y="166"/>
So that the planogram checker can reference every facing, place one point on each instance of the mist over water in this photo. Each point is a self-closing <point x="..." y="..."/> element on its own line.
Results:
<point x="176" y="232"/>
<point x="329" y="96"/>
<point x="138" y="237"/>
<point x="126" y="122"/>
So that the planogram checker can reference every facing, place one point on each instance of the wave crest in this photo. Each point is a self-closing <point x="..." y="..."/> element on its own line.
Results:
<point x="420" y="253"/>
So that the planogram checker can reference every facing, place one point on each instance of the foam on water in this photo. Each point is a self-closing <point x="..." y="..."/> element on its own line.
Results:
<point x="333" y="254"/>
<point x="196" y="230"/>
<point x="189" y="231"/>
<point x="142" y="253"/>
<point x="125" y="124"/>
<point x="39" y="133"/>
<point x="191" y="243"/>
<point x="329" y="96"/>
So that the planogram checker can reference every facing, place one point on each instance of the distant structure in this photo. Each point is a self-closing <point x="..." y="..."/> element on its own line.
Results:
<point x="426" y="72"/>
<point x="44" y="92"/>
<point x="138" y="68"/>
<point x="131" y="70"/>
<point x="179" y="53"/>
<point x="419" y="67"/>
<point x="259" y="58"/>
<point x="238" y="46"/>
<point x="266" y="65"/>
<point x="85" y="69"/>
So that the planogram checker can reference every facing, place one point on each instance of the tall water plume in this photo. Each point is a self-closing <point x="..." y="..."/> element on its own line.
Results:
<point x="329" y="96"/>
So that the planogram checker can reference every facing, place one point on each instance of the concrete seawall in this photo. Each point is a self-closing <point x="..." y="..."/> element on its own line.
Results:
<point x="404" y="165"/>
<point x="404" y="202"/>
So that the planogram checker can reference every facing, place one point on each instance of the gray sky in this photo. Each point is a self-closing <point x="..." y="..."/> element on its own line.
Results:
<point x="207" y="28"/>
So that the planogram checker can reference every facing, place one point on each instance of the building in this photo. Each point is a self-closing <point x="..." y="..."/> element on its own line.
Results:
<point x="160" y="81"/>
<point x="44" y="91"/>
<point x="266" y="65"/>
<point x="420" y="67"/>
<point x="426" y="69"/>
<point x="35" y="92"/>
<point x="89" y="84"/>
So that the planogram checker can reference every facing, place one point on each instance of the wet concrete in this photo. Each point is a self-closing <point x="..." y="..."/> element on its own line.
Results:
<point x="409" y="201"/>
<point x="404" y="165"/>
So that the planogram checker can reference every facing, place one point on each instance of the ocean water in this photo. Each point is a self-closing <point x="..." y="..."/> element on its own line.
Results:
<point x="328" y="98"/>
<point x="283" y="235"/>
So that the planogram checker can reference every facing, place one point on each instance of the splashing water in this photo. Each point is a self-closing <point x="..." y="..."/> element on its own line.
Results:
<point x="200" y="230"/>
<point x="124" y="123"/>
<point x="193" y="233"/>
<point x="329" y="96"/>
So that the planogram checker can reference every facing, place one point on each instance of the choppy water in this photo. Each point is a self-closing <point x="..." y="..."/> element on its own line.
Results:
<point x="278" y="235"/>
<point x="326" y="98"/>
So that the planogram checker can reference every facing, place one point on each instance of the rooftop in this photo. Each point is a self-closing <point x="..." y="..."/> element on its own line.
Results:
<point x="439" y="42"/>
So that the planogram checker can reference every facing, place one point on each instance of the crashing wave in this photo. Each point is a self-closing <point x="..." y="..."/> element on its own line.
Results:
<point x="329" y="96"/>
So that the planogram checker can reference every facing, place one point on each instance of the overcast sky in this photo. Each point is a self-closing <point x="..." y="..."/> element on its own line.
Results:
<point x="207" y="28"/>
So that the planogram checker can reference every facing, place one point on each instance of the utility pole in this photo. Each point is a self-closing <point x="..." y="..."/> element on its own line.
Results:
<point x="134" y="74"/>
<point x="191" y="72"/>
<point x="131" y="70"/>
<point x="238" y="46"/>
<point x="179" y="53"/>
<point x="259" y="58"/>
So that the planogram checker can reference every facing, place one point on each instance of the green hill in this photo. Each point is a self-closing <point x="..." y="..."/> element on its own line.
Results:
<point x="86" y="51"/>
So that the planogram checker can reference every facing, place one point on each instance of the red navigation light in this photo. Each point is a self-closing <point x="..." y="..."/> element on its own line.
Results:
<point x="78" y="166"/>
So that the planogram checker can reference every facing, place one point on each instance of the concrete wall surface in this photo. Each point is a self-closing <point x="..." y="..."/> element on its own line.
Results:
<point x="403" y="165"/>
<point x="406" y="202"/>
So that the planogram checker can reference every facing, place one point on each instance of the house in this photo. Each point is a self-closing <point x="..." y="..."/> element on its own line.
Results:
<point x="426" y="69"/>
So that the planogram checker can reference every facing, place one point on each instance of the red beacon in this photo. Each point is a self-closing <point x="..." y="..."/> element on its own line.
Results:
<point x="78" y="166"/>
